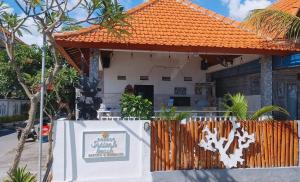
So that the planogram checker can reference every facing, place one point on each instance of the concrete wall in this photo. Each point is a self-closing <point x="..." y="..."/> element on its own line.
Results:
<point x="244" y="79"/>
<point x="282" y="79"/>
<point x="136" y="64"/>
<point x="11" y="107"/>
<point x="70" y="165"/>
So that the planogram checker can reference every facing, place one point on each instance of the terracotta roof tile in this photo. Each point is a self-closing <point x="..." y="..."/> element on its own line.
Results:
<point x="167" y="24"/>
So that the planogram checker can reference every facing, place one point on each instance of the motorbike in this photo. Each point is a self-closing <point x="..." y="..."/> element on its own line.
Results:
<point x="32" y="134"/>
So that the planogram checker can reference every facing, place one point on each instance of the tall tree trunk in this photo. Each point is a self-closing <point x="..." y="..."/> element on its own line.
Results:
<point x="30" y="123"/>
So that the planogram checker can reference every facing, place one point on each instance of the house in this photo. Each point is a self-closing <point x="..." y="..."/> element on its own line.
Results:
<point x="180" y="54"/>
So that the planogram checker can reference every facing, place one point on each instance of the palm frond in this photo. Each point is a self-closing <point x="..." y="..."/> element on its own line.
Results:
<point x="238" y="106"/>
<point x="268" y="109"/>
<point x="274" y="23"/>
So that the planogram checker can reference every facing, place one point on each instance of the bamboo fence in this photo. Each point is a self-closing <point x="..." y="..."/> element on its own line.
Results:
<point x="174" y="146"/>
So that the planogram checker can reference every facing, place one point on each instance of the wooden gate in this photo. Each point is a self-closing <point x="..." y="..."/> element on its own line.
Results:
<point x="175" y="146"/>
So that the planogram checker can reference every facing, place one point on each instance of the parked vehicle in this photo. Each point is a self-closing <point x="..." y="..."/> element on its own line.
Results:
<point x="32" y="134"/>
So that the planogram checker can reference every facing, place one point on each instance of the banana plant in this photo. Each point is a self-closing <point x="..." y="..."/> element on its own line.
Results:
<point x="237" y="105"/>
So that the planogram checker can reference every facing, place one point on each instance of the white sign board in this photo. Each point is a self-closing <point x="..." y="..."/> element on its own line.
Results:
<point x="106" y="145"/>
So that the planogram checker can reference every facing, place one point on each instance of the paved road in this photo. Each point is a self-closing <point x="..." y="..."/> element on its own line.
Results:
<point x="8" y="142"/>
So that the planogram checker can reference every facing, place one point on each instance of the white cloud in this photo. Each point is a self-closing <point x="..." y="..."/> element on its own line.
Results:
<point x="239" y="9"/>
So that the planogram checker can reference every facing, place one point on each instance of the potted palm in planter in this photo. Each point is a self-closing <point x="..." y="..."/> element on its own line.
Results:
<point x="238" y="107"/>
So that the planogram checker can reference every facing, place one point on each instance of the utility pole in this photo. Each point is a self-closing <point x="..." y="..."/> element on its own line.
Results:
<point x="40" y="178"/>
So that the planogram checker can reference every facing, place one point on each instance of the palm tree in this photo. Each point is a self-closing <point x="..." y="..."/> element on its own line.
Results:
<point x="237" y="106"/>
<point x="274" y="23"/>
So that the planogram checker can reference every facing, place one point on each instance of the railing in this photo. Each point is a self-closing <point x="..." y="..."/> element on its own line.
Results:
<point x="193" y="115"/>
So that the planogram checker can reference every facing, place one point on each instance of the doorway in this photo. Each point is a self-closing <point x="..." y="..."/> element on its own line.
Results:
<point x="146" y="91"/>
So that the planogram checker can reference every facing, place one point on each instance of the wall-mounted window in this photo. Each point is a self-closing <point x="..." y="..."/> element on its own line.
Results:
<point x="144" y="77"/>
<point x="166" y="78"/>
<point x="188" y="79"/>
<point x="121" y="77"/>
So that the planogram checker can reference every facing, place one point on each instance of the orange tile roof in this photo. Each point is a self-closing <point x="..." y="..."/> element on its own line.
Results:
<point x="290" y="6"/>
<point x="175" y="25"/>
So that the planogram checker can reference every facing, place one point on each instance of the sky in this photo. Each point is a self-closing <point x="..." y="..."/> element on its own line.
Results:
<point x="236" y="9"/>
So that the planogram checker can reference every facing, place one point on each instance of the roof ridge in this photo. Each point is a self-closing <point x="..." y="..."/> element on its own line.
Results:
<point x="93" y="27"/>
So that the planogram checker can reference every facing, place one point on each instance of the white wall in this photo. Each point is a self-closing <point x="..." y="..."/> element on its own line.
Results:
<point x="70" y="165"/>
<point x="142" y="64"/>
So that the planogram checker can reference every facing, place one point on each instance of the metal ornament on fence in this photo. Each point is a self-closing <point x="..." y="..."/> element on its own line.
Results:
<point x="222" y="145"/>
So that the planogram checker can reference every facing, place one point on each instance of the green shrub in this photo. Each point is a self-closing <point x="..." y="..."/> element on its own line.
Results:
<point x="21" y="175"/>
<point x="135" y="106"/>
<point x="10" y="119"/>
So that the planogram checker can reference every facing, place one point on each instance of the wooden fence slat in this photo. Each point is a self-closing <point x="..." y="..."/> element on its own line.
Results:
<point x="291" y="161"/>
<point x="275" y="126"/>
<point x="160" y="137"/>
<point x="279" y="131"/>
<point x="192" y="131"/>
<point x="196" y="164"/>
<point x="201" y="153"/>
<point x="270" y="129"/>
<point x="189" y="144"/>
<point x="173" y="149"/>
<point x="164" y="150"/>
<point x="178" y="145"/>
<point x="266" y="143"/>
<point x="261" y="145"/>
<point x="186" y="146"/>
<point x="251" y="148"/>
<point x="153" y="145"/>
<point x="257" y="148"/>
<point x="287" y="144"/>
<point x="282" y="145"/>
<point x="209" y="152"/>
<point x="182" y="146"/>
<point x="296" y="144"/>
<point x="203" y="156"/>
<point x="156" y="147"/>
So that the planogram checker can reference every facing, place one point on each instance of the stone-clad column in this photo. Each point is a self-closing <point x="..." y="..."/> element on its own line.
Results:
<point x="266" y="80"/>
<point x="94" y="64"/>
